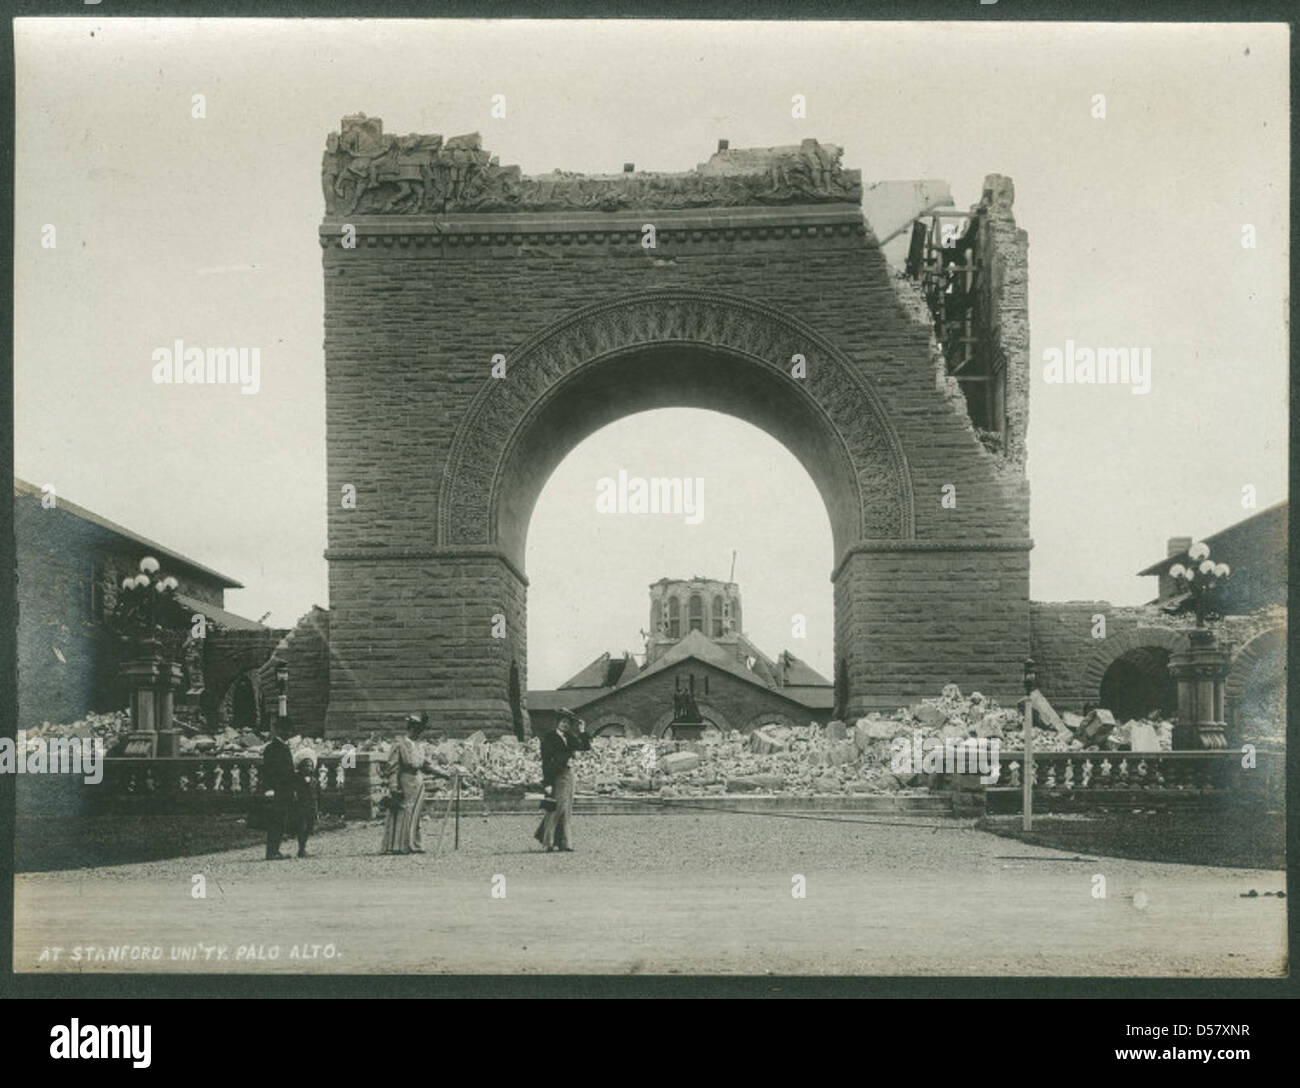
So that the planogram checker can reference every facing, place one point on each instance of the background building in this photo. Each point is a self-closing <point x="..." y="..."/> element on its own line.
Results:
<point x="695" y="644"/>
<point x="71" y="562"/>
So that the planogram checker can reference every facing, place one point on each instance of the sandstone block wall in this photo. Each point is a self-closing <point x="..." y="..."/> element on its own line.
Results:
<point x="413" y="317"/>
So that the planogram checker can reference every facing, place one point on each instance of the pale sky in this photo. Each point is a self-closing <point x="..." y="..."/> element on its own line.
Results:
<point x="173" y="227"/>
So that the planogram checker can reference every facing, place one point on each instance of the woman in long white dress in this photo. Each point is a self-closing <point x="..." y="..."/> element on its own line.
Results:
<point x="404" y="771"/>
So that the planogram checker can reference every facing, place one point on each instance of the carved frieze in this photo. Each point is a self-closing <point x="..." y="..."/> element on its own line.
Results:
<point x="368" y="172"/>
<point x="502" y="409"/>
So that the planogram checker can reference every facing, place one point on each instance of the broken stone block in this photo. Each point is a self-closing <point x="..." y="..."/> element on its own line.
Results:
<point x="1096" y="727"/>
<point x="826" y="784"/>
<point x="844" y="751"/>
<point x="679" y="762"/>
<point x="872" y="728"/>
<point x="741" y="785"/>
<point x="769" y="738"/>
<point x="931" y="716"/>
<point x="836" y="731"/>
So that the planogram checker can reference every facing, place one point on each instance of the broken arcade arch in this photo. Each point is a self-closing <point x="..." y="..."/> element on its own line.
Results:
<point x="447" y="460"/>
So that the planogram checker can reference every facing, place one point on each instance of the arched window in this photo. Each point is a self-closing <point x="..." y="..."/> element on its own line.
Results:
<point x="697" y="612"/>
<point x="656" y="616"/>
<point x="674" y="618"/>
<point x="716" y="608"/>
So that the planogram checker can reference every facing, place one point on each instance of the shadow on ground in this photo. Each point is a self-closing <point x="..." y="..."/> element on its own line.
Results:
<point x="1244" y="840"/>
<point x="43" y="845"/>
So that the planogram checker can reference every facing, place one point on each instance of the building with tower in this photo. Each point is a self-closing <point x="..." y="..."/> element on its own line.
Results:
<point x="696" y="647"/>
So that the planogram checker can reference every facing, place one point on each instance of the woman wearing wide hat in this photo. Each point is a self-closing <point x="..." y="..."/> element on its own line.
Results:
<point x="404" y="771"/>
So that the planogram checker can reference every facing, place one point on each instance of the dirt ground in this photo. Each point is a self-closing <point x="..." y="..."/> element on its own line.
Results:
<point x="661" y="894"/>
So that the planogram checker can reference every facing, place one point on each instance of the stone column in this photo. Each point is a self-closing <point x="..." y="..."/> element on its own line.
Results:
<point x="415" y="631"/>
<point x="1200" y="671"/>
<point x="169" y="679"/>
<point x="152" y="680"/>
<point x="911" y="617"/>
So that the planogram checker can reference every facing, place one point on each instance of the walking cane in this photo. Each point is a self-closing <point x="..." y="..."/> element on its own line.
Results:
<point x="442" y="827"/>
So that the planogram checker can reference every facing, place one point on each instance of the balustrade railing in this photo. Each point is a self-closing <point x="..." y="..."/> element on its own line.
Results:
<point x="214" y="782"/>
<point x="1189" y="772"/>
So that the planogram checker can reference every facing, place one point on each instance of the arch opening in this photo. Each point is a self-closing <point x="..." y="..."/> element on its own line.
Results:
<point x="1138" y="683"/>
<point x="671" y="376"/>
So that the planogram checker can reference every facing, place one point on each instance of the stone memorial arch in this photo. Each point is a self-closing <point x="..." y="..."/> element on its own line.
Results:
<point x="479" y="323"/>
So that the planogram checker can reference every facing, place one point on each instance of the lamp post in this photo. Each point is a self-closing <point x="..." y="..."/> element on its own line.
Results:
<point x="145" y="605"/>
<point x="1201" y="668"/>
<point x="1027" y="772"/>
<point x="282" y="687"/>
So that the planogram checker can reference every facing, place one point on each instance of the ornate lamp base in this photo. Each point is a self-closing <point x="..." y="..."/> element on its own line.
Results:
<point x="1200" y="672"/>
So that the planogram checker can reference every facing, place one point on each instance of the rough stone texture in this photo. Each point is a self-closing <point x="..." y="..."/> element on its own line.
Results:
<point x="447" y="461"/>
<point x="408" y="635"/>
<point x="911" y="620"/>
<point x="306" y="651"/>
<point x="1009" y="305"/>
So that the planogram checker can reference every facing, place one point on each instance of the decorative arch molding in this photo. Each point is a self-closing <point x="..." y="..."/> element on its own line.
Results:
<point x="1252" y="653"/>
<point x="835" y="391"/>
<point x="606" y="720"/>
<point x="1116" y="646"/>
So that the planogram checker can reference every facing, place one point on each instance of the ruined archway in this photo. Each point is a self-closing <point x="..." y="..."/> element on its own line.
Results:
<point x="475" y="333"/>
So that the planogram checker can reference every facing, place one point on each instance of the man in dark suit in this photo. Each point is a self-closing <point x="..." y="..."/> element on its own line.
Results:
<point x="569" y="736"/>
<point x="278" y="781"/>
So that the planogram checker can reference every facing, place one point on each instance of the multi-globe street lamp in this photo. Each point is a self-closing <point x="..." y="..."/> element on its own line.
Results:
<point x="1201" y="668"/>
<point x="146" y="607"/>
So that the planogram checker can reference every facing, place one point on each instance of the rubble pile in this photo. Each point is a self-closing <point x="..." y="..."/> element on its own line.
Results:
<point x="837" y="758"/>
<point x="111" y="727"/>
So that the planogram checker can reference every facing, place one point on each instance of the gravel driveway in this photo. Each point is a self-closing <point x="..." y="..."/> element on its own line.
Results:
<point x="681" y="893"/>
